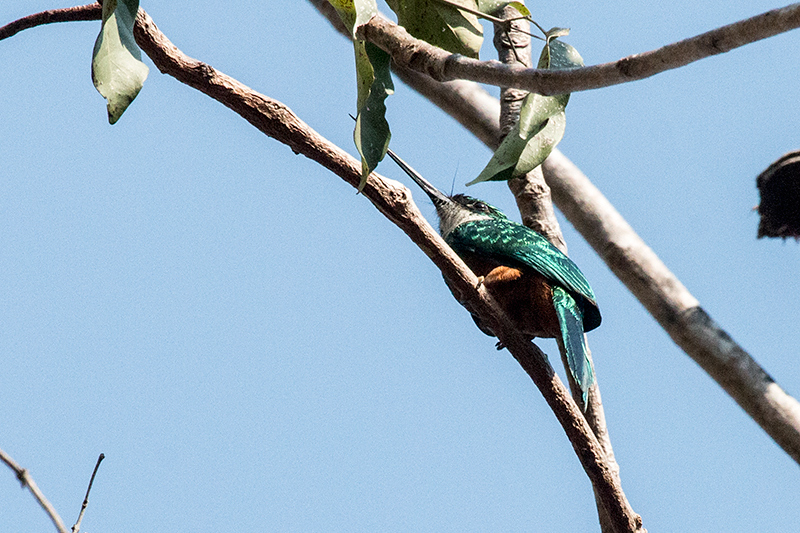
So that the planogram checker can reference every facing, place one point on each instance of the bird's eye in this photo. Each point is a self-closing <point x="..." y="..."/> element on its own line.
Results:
<point x="480" y="206"/>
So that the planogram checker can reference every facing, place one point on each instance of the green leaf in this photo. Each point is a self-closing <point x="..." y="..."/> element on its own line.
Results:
<point x="354" y="13"/>
<point x="491" y="6"/>
<point x="117" y="69"/>
<point x="541" y="120"/>
<point x="372" y="130"/>
<point x="558" y="55"/>
<point x="441" y="24"/>
<point x="373" y="83"/>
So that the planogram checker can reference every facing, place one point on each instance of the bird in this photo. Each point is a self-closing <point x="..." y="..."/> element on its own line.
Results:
<point x="540" y="289"/>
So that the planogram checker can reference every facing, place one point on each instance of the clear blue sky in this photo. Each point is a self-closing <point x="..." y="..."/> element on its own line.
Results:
<point x="255" y="348"/>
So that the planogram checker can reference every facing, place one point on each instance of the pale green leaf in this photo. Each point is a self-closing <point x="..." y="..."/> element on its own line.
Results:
<point x="117" y="69"/>
<point x="541" y="122"/>
<point x="519" y="6"/>
<point x="373" y="84"/>
<point x="441" y="24"/>
<point x="558" y="55"/>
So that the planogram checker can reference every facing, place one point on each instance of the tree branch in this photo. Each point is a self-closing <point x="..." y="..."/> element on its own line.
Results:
<point x="672" y="305"/>
<point x="67" y="14"/>
<point x="394" y="201"/>
<point x="444" y="66"/>
<point x="27" y="481"/>
<point x="85" y="504"/>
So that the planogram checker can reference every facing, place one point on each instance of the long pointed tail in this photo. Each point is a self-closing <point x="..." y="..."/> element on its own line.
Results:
<point x="570" y="320"/>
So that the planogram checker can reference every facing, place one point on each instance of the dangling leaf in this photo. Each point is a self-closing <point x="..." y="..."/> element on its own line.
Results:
<point x="541" y="120"/>
<point x="374" y="84"/>
<point x="441" y="24"/>
<point x="117" y="69"/>
<point x="372" y="130"/>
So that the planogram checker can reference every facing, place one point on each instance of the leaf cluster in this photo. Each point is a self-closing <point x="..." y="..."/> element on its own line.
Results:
<point x="453" y="25"/>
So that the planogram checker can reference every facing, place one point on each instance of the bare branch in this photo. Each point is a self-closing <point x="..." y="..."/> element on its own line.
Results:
<point x="444" y="66"/>
<point x="394" y="201"/>
<point x="67" y="14"/>
<point x="672" y="305"/>
<point x="27" y="481"/>
<point x="77" y="526"/>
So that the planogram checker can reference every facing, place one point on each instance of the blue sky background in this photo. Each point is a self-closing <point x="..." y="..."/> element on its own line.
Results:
<point x="255" y="348"/>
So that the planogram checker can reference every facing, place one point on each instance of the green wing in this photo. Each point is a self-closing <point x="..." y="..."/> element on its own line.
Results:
<point x="518" y="246"/>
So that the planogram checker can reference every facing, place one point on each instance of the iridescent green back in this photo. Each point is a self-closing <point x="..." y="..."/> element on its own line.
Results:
<point x="518" y="246"/>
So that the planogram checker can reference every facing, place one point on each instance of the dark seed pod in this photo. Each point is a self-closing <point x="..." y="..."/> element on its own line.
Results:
<point x="779" y="209"/>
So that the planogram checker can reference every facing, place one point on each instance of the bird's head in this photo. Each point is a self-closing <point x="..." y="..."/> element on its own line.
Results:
<point x="452" y="210"/>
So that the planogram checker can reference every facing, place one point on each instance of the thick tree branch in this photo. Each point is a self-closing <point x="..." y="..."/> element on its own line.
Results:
<point x="394" y="201"/>
<point x="444" y="66"/>
<point x="672" y="305"/>
<point x="27" y="481"/>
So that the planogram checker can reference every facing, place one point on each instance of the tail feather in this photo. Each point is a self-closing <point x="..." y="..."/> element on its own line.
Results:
<point x="570" y="321"/>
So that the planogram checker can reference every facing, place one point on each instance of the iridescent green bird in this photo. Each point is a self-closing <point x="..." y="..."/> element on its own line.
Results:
<point x="540" y="289"/>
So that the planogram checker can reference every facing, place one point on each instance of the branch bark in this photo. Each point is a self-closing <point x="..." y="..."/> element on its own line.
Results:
<point x="444" y="66"/>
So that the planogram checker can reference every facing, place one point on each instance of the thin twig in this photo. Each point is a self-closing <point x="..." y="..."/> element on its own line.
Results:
<point x="85" y="504"/>
<point x="67" y="14"/>
<point x="27" y="481"/>
<point x="443" y="66"/>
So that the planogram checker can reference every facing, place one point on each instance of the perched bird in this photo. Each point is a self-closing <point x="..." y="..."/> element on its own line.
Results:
<point x="540" y="289"/>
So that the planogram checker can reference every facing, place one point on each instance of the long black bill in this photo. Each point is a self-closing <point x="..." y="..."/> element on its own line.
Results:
<point x="437" y="197"/>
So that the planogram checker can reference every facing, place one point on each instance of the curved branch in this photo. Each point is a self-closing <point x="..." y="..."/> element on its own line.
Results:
<point x="444" y="66"/>
<point x="394" y="200"/>
<point x="67" y="14"/>
<point x="27" y="481"/>
<point x="276" y="120"/>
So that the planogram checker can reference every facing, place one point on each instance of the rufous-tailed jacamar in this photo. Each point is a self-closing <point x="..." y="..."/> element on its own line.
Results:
<point x="540" y="289"/>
